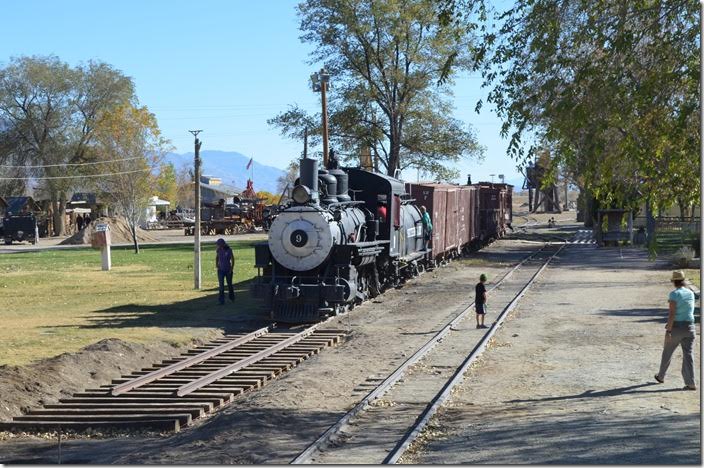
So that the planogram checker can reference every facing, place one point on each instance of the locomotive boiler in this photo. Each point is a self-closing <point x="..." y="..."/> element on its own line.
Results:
<point x="346" y="235"/>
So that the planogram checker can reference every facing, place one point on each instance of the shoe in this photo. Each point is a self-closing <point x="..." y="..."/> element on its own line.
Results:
<point x="484" y="326"/>
<point x="657" y="377"/>
<point x="689" y="387"/>
<point x="479" y="326"/>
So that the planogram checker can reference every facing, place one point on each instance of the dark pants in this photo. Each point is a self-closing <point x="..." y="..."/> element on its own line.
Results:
<point x="222" y="276"/>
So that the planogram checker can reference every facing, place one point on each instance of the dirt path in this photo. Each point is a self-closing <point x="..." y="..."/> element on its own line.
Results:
<point x="569" y="379"/>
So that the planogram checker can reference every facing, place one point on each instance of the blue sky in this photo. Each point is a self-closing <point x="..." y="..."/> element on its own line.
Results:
<point x="224" y="66"/>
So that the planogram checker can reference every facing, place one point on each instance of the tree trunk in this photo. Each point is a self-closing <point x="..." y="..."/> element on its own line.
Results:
<point x="133" y="228"/>
<point x="58" y="204"/>
<point x="649" y="220"/>
<point x="394" y="147"/>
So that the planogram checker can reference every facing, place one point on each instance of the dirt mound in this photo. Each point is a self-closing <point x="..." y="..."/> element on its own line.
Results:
<point x="119" y="232"/>
<point x="25" y="387"/>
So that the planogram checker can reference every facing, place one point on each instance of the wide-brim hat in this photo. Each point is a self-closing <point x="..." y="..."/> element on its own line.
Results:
<point x="677" y="275"/>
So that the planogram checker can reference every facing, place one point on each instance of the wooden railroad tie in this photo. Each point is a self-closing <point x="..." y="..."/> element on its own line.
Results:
<point x="148" y="398"/>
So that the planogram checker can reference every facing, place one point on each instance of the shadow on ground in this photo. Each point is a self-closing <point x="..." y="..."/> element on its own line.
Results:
<point x="570" y="438"/>
<point x="649" y="314"/>
<point x="231" y="436"/>
<point x="245" y="313"/>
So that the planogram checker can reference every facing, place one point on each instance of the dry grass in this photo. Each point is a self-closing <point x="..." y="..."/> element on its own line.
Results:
<point x="60" y="301"/>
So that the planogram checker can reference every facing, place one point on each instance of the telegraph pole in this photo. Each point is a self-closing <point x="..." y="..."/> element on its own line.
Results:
<point x="320" y="82"/>
<point x="323" y="85"/>
<point x="196" y="231"/>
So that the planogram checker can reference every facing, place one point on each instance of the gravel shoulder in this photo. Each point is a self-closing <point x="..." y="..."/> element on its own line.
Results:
<point x="569" y="378"/>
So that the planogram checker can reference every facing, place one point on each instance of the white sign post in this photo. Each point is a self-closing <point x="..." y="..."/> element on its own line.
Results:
<point x="101" y="240"/>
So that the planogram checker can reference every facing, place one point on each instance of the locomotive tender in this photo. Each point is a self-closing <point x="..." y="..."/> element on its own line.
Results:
<point x="328" y="251"/>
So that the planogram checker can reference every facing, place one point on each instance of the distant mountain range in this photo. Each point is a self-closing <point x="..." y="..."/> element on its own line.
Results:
<point x="231" y="167"/>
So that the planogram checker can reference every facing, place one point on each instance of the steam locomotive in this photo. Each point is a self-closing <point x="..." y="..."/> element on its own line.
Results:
<point x="349" y="234"/>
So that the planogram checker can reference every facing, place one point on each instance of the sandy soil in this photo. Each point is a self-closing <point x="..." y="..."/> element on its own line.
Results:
<point x="24" y="387"/>
<point x="570" y="378"/>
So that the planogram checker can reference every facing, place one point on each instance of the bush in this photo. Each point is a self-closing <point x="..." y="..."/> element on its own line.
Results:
<point x="683" y="256"/>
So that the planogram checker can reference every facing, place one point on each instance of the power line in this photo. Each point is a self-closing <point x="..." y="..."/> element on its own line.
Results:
<point x="87" y="176"/>
<point x="68" y="164"/>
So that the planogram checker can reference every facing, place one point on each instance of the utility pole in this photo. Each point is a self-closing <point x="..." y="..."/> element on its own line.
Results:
<point x="196" y="231"/>
<point x="320" y="82"/>
<point x="323" y="85"/>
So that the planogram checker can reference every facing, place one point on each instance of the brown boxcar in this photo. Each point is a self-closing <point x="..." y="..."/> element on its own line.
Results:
<point x="449" y="212"/>
<point x="435" y="201"/>
<point x="464" y="214"/>
<point x="495" y="211"/>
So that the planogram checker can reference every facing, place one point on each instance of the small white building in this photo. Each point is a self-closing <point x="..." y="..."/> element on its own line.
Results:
<point x="154" y="206"/>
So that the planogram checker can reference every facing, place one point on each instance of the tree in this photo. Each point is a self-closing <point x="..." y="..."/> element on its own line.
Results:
<point x="166" y="184"/>
<point x="386" y="60"/>
<point x="611" y="88"/>
<point x="289" y="178"/>
<point x="185" y="188"/>
<point x="49" y="113"/>
<point x="268" y="197"/>
<point x="130" y="137"/>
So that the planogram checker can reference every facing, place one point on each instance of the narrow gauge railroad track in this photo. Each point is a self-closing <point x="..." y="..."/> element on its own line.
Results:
<point x="173" y="393"/>
<point x="379" y="430"/>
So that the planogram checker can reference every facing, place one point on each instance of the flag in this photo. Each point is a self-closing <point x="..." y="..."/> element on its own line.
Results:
<point x="249" y="164"/>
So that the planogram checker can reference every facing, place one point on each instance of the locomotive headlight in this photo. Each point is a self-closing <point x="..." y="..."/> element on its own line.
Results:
<point x="301" y="194"/>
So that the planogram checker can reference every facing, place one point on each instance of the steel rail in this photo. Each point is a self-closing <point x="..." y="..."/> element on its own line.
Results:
<point x="384" y="386"/>
<point x="212" y="377"/>
<point x="177" y="366"/>
<point x="458" y="376"/>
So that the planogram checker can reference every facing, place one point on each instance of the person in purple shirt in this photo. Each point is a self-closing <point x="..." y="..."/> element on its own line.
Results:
<point x="225" y="264"/>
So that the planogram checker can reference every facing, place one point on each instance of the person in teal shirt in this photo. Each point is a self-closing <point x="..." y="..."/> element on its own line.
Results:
<point x="427" y="226"/>
<point x="679" y="331"/>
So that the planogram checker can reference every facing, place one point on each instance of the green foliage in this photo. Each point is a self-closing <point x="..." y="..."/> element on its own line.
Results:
<point x="390" y="82"/>
<point x="166" y="185"/>
<point x="610" y="87"/>
<point x="49" y="113"/>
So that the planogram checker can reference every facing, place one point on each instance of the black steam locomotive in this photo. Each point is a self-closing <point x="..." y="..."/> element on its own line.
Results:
<point x="328" y="251"/>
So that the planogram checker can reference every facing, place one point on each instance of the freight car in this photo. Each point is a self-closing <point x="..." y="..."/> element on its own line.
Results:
<point x="348" y="234"/>
<point x="464" y="217"/>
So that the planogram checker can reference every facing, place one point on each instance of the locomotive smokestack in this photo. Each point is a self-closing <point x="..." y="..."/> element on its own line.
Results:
<point x="309" y="176"/>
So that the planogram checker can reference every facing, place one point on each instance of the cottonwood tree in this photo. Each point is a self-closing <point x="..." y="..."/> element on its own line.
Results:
<point x="386" y="59"/>
<point x="49" y="113"/>
<point x="130" y="137"/>
<point x="611" y="88"/>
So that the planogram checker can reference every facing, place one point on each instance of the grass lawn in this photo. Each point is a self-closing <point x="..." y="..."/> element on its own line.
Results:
<point x="59" y="301"/>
